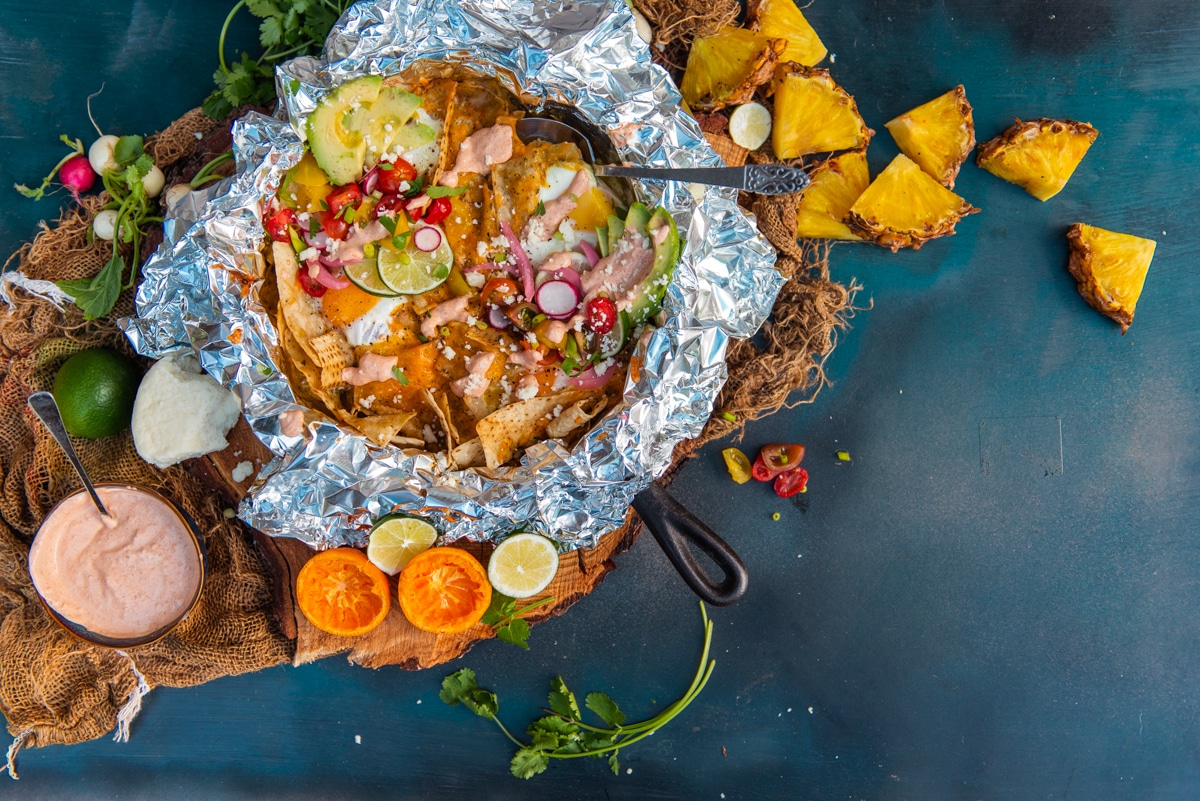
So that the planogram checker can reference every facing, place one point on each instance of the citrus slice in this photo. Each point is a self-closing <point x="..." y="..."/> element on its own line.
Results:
<point x="523" y="565"/>
<point x="365" y="276"/>
<point x="396" y="539"/>
<point x="412" y="271"/>
<point x="444" y="590"/>
<point x="341" y="593"/>
<point x="750" y="125"/>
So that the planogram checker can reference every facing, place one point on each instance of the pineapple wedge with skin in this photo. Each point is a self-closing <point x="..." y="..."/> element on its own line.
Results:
<point x="725" y="69"/>
<point x="938" y="135"/>
<point x="904" y="207"/>
<point x="781" y="19"/>
<point x="1109" y="269"/>
<point x="1039" y="155"/>
<point x="834" y="186"/>
<point x="813" y="114"/>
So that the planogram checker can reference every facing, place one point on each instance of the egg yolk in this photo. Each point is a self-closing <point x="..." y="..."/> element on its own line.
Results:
<point x="343" y="306"/>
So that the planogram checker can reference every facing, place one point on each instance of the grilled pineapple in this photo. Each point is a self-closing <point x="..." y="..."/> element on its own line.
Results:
<point x="813" y="114"/>
<point x="724" y="69"/>
<point x="834" y="187"/>
<point x="780" y="19"/>
<point x="1110" y="269"/>
<point x="937" y="135"/>
<point x="904" y="207"/>
<point x="1038" y="156"/>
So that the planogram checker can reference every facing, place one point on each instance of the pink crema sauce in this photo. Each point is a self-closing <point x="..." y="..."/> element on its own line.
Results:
<point x="126" y="580"/>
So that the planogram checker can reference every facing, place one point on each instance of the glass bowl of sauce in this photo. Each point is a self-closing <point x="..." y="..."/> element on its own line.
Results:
<point x="122" y="582"/>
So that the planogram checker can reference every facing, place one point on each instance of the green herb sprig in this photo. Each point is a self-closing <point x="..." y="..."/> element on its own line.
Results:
<point x="562" y="734"/>
<point x="506" y="619"/>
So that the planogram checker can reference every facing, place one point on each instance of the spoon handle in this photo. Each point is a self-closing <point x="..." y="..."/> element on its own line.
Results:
<point x="46" y="409"/>
<point x="765" y="179"/>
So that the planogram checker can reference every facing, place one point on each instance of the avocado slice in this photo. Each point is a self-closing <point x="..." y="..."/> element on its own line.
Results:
<point x="616" y="227"/>
<point x="602" y="240"/>
<point x="637" y="217"/>
<point x="666" y="255"/>
<point x="334" y="137"/>
<point x="383" y="120"/>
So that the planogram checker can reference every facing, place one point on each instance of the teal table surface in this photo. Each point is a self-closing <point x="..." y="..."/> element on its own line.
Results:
<point x="998" y="597"/>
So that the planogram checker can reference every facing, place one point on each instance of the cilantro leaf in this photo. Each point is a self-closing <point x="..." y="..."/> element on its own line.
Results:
<point x="96" y="296"/>
<point x="444" y="191"/>
<point x="562" y="700"/>
<point x="541" y="209"/>
<point x="605" y="708"/>
<point x="614" y="764"/>
<point x="528" y="762"/>
<point x="400" y="376"/>
<point x="516" y="632"/>
<point x="388" y="222"/>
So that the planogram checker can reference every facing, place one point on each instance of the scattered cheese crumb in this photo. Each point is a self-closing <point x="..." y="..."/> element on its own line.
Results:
<point x="358" y="739"/>
<point x="242" y="471"/>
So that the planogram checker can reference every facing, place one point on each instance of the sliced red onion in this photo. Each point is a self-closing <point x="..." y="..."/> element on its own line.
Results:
<point x="370" y="181"/>
<point x="319" y="240"/>
<point x="427" y="239"/>
<point x="558" y="299"/>
<point x="497" y="318"/>
<point x="586" y="248"/>
<point x="337" y="262"/>
<point x="524" y="265"/>
<point x="328" y="279"/>
<point x="590" y="379"/>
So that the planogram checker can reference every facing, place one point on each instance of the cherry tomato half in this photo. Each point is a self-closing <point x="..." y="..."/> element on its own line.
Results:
<point x="280" y="223"/>
<point x="390" y="205"/>
<point x="760" y="472"/>
<point x="791" y="482"/>
<point x="601" y="315"/>
<point x="343" y="196"/>
<point x="780" y="456"/>
<point x="499" y="292"/>
<point x="309" y="285"/>
<point x="390" y="180"/>
<point x="437" y="211"/>
<point x="334" y="225"/>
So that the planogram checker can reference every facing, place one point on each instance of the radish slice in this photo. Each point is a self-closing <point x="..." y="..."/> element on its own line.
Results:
<point x="524" y="265"/>
<point x="497" y="318"/>
<point x="586" y="248"/>
<point x="570" y="276"/>
<point x="558" y="299"/>
<point x="328" y="279"/>
<point x="427" y="239"/>
<point x="370" y="181"/>
<point x="590" y="379"/>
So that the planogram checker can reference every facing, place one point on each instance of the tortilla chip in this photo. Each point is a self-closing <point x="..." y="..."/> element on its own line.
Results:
<point x="468" y="454"/>
<point x="382" y="429"/>
<point x="301" y="311"/>
<point x="519" y="424"/>
<point x="518" y="181"/>
<point x="580" y="412"/>
<point x="332" y="353"/>
<point x="440" y="406"/>
<point x="409" y="442"/>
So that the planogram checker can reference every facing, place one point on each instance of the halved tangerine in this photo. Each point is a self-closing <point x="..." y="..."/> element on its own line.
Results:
<point x="444" y="591"/>
<point x="342" y="593"/>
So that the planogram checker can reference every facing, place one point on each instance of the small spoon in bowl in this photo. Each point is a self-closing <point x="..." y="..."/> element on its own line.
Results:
<point x="43" y="405"/>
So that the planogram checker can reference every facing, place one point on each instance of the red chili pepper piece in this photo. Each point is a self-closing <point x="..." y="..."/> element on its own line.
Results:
<point x="334" y="225"/>
<point x="791" y="482"/>
<point x="601" y="315"/>
<point x="780" y="456"/>
<point x="390" y="180"/>
<point x="437" y="211"/>
<point x="340" y="198"/>
<point x="280" y="223"/>
<point x="310" y="285"/>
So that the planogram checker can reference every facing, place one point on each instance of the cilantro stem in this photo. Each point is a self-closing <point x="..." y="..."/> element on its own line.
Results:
<point x="269" y="56"/>
<point x="205" y="173"/>
<point x="224" y="30"/>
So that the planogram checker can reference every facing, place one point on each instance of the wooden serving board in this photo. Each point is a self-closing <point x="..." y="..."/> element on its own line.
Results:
<point x="396" y="641"/>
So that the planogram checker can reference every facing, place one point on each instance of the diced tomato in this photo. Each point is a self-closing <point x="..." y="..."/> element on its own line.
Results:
<point x="760" y="472"/>
<point x="309" y="285"/>
<point x="390" y="180"/>
<point x="343" y="196"/>
<point x="790" y="482"/>
<point x="280" y="223"/>
<point x="334" y="225"/>
<point x="601" y="315"/>
<point x="522" y="315"/>
<point x="390" y="205"/>
<point x="499" y="292"/>
<point x="780" y="456"/>
<point x="437" y="211"/>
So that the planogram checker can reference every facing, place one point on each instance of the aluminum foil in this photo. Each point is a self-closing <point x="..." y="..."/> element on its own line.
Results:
<point x="326" y="487"/>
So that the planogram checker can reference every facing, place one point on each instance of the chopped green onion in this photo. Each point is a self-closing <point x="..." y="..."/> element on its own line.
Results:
<point x="383" y="165"/>
<point x="400" y="376"/>
<point x="730" y="416"/>
<point x="369" y="249"/>
<point x="297" y="242"/>
<point x="776" y="516"/>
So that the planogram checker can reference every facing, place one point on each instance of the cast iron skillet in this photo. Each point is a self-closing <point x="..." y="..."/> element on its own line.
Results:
<point x="673" y="526"/>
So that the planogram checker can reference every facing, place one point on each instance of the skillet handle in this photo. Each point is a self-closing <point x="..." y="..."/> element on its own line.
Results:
<point x="676" y="528"/>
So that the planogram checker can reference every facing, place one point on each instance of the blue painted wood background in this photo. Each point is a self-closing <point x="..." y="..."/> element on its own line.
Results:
<point x="997" y="598"/>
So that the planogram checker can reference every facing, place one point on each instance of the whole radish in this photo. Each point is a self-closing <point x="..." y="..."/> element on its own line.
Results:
<point x="100" y="154"/>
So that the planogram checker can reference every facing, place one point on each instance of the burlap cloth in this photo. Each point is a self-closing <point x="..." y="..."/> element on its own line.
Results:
<point x="55" y="689"/>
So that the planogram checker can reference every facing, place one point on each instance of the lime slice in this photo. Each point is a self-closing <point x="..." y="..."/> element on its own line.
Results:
<point x="750" y="125"/>
<point x="365" y="276"/>
<point x="523" y="565"/>
<point x="396" y="539"/>
<point x="412" y="271"/>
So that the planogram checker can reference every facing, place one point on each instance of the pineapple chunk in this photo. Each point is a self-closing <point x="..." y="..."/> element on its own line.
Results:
<point x="904" y="207"/>
<point x="726" y="68"/>
<point x="1110" y="269"/>
<point x="1038" y="156"/>
<point x="938" y="135"/>
<point x="834" y="187"/>
<point x="813" y="114"/>
<point x="781" y="19"/>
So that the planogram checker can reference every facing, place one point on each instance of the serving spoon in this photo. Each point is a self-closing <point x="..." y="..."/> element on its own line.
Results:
<point x="44" y="406"/>
<point x="763" y="179"/>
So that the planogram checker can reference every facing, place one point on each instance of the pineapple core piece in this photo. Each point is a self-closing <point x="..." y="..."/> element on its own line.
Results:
<point x="726" y="68"/>
<point x="904" y="207"/>
<point x="834" y="187"/>
<point x="937" y="135"/>
<point x="1039" y="155"/>
<point x="813" y="114"/>
<point x="1110" y="269"/>
<point x="781" y="19"/>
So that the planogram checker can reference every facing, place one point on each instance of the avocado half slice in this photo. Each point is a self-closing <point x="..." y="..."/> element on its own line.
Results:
<point x="334" y="135"/>
<point x="666" y="255"/>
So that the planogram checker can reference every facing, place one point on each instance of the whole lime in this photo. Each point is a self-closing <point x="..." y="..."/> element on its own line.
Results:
<point x="95" y="390"/>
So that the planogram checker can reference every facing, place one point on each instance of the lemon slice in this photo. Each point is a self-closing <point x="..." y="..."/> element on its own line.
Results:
<point x="523" y="565"/>
<point x="750" y="125"/>
<point x="412" y="271"/>
<point x="396" y="540"/>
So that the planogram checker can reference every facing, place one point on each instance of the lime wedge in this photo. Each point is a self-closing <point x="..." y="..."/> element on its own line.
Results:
<point x="412" y="271"/>
<point x="396" y="539"/>
<point x="523" y="565"/>
<point x="365" y="276"/>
